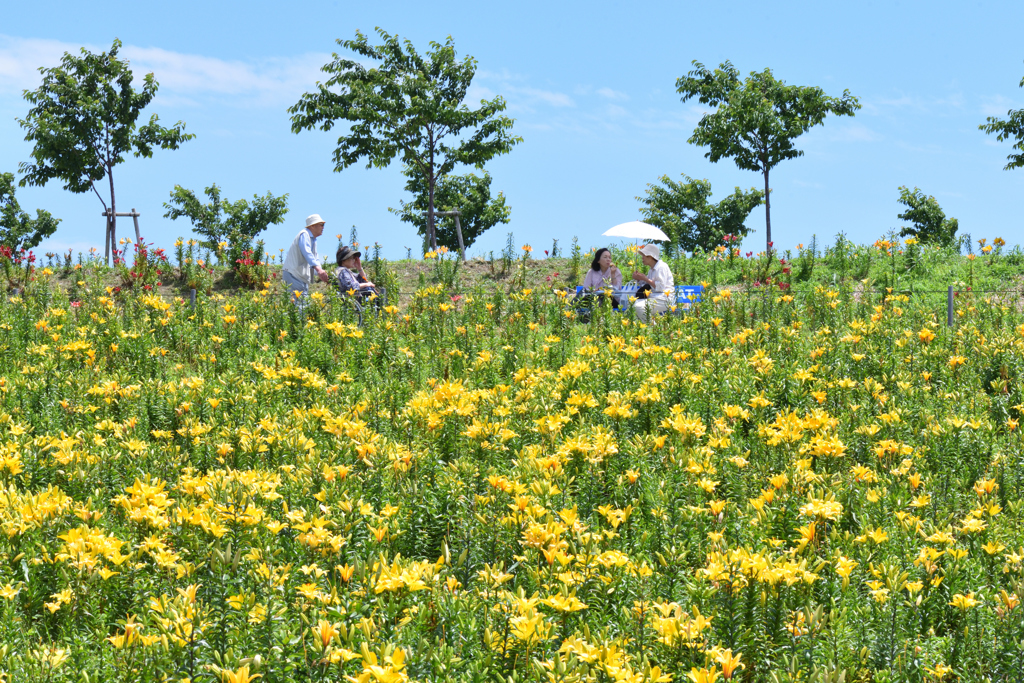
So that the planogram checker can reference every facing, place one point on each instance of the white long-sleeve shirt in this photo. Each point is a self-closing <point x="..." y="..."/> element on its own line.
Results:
<point x="663" y="282"/>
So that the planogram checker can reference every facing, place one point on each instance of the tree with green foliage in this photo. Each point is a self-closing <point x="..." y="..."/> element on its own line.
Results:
<point x="85" y="119"/>
<point x="929" y="220"/>
<point x="220" y="220"/>
<point x="408" y="106"/>
<point x="1010" y="129"/>
<point x="683" y="212"/>
<point x="756" y="120"/>
<point x="468" y="194"/>
<point x="18" y="230"/>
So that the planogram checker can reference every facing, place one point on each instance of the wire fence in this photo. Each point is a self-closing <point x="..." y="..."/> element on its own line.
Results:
<point x="944" y="300"/>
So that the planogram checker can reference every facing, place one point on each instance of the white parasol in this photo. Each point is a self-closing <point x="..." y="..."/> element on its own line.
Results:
<point x="635" y="230"/>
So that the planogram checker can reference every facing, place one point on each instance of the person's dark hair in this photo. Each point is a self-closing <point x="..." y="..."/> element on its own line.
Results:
<point x="596" y="264"/>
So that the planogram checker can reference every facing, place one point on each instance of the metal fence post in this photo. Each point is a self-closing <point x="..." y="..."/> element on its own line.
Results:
<point x="949" y="307"/>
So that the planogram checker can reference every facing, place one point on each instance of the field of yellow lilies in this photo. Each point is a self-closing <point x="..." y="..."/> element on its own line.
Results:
<point x="815" y="486"/>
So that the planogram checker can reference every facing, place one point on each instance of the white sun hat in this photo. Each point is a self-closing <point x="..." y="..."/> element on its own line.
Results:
<point x="650" y="250"/>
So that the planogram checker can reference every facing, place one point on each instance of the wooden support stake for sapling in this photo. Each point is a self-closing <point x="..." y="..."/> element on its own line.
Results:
<point x="135" y="217"/>
<point x="458" y="230"/>
<point x="133" y="214"/>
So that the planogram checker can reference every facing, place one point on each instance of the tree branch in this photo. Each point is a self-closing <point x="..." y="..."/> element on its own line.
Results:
<point x="92" y="184"/>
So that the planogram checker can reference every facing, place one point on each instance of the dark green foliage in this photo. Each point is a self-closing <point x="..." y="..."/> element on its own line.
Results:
<point x="683" y="211"/>
<point x="756" y="120"/>
<point x="929" y="220"/>
<point x="1012" y="128"/>
<point x="219" y="219"/>
<point x="407" y="106"/>
<point x="469" y="194"/>
<point x="17" y="229"/>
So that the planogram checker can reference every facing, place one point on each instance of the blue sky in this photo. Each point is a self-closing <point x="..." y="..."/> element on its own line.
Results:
<point x="591" y="87"/>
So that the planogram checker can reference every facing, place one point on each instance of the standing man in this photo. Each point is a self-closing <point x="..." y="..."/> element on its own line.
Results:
<point x="302" y="263"/>
<point x="660" y="280"/>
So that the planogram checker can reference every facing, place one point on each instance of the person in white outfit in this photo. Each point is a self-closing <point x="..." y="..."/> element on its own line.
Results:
<point x="659" y="277"/>
<point x="302" y="263"/>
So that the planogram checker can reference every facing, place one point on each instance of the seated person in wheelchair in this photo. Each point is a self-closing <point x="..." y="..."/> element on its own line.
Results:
<point x="348" y="274"/>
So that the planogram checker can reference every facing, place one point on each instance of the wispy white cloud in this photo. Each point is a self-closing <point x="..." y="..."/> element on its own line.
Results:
<point x="588" y="111"/>
<point x="477" y="92"/>
<point x="909" y="102"/>
<point x="610" y="94"/>
<point x="850" y="132"/>
<point x="21" y="58"/>
<point x="997" y="106"/>
<point x="551" y="98"/>
<point x="268" y="81"/>
<point x="522" y="96"/>
<point x="188" y="79"/>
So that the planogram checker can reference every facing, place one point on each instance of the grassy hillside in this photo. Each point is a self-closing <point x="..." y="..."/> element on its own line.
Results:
<point x="899" y="265"/>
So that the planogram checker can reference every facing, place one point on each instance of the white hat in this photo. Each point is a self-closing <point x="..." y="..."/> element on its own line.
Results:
<point x="313" y="220"/>
<point x="651" y="250"/>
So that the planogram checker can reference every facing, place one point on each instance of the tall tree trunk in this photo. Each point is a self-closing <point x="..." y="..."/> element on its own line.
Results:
<point x="113" y="213"/>
<point x="431" y="232"/>
<point x="767" y="213"/>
